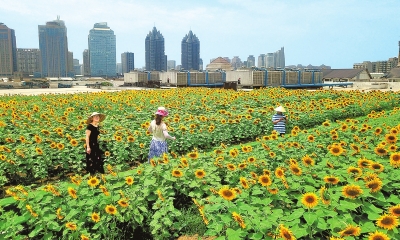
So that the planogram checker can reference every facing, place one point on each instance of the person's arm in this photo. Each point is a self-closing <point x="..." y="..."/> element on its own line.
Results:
<point x="88" y="150"/>
<point x="166" y="135"/>
<point x="150" y="129"/>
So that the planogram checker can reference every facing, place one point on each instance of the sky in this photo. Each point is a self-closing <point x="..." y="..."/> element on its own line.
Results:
<point x="337" y="33"/>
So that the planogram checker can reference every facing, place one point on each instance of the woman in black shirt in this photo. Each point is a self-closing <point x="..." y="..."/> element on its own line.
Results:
<point x="94" y="161"/>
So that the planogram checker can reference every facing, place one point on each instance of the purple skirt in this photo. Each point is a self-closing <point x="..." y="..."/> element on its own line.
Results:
<point x="157" y="148"/>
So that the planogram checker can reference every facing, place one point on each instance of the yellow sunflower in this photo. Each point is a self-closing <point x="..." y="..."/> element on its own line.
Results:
<point x="244" y="183"/>
<point x="285" y="233"/>
<point x="309" y="200"/>
<point x="388" y="222"/>
<point x="231" y="166"/>
<point x="296" y="170"/>
<point x="193" y="155"/>
<point x="395" y="159"/>
<point x="331" y="179"/>
<point x="95" y="217"/>
<point x="279" y="172"/>
<point x="378" y="236"/>
<point x="110" y="209"/>
<point x="72" y="192"/>
<point x="374" y="185"/>
<point x="93" y="181"/>
<point x="71" y="226"/>
<point x="307" y="161"/>
<point x="177" y="173"/>
<point x="363" y="163"/>
<point x="395" y="210"/>
<point x="351" y="191"/>
<point x="391" y="138"/>
<point x="350" y="230"/>
<point x="129" y="180"/>
<point x="227" y="194"/>
<point x="377" y="167"/>
<point x="123" y="202"/>
<point x="380" y="151"/>
<point x="238" y="219"/>
<point x="264" y="180"/>
<point x="354" y="171"/>
<point x="336" y="150"/>
<point x="200" y="173"/>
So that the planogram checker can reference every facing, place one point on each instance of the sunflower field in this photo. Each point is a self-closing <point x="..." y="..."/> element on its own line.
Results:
<point x="335" y="175"/>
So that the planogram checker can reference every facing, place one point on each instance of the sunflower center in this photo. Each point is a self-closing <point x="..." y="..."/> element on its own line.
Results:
<point x="387" y="221"/>
<point x="352" y="192"/>
<point x="227" y="193"/>
<point x="310" y="199"/>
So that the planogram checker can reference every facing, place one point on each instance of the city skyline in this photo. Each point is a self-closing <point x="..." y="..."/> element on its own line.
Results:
<point x="336" y="33"/>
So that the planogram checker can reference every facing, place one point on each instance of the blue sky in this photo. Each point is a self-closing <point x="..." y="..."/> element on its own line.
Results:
<point x="336" y="33"/>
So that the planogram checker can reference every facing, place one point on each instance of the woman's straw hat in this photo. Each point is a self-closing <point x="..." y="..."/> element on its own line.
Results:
<point x="90" y="118"/>
<point x="162" y="111"/>
<point x="280" y="109"/>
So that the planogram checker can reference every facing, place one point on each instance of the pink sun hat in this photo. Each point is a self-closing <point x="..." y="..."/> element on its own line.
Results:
<point x="162" y="111"/>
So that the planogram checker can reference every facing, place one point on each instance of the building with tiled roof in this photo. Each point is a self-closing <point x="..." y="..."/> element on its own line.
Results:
<point x="219" y="64"/>
<point x="346" y="75"/>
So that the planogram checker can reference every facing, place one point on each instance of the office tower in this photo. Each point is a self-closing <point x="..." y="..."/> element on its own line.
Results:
<point x="155" y="51"/>
<point x="261" y="61"/>
<point x="77" y="67"/>
<point x="201" y="64"/>
<point x="128" y="62"/>
<point x="8" y="51"/>
<point x="28" y="61"/>
<point x="190" y="51"/>
<point x="398" y="59"/>
<point x="102" y="51"/>
<point x="53" y="45"/>
<point x="171" y="64"/>
<point x="251" y="61"/>
<point x="279" y="58"/>
<point x="70" y="65"/>
<point x="270" y="60"/>
<point x="119" y="69"/>
<point x="86" y="63"/>
<point x="236" y="62"/>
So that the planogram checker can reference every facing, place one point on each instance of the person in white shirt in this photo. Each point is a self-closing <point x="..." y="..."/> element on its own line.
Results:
<point x="158" y="128"/>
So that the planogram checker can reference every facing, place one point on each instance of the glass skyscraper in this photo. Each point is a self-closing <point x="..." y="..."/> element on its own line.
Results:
<point x="190" y="52"/>
<point x="102" y="51"/>
<point x="53" y="47"/>
<point x="127" y="61"/>
<point x="8" y="51"/>
<point x="156" y="60"/>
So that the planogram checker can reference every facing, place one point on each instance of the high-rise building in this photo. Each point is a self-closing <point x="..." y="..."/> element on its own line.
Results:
<point x="102" y="51"/>
<point x="190" y="51"/>
<point x="70" y="63"/>
<point x="201" y="64"/>
<point x="279" y="58"/>
<point x="8" y="51"/>
<point x="261" y="61"/>
<point x="171" y="64"/>
<point x="119" y="69"/>
<point x="155" y="51"/>
<point x="270" y="60"/>
<point x="128" y="62"/>
<point x="53" y="45"/>
<point x="28" y="61"/>
<point x="77" y="67"/>
<point x="251" y="61"/>
<point x="236" y="62"/>
<point x="86" y="63"/>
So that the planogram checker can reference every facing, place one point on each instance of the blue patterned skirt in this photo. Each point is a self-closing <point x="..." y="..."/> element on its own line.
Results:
<point x="157" y="148"/>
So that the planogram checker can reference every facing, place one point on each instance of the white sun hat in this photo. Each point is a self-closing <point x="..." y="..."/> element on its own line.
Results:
<point x="280" y="109"/>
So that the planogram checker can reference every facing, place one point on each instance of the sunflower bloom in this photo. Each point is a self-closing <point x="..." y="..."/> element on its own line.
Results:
<point x="83" y="237"/>
<point x="336" y="150"/>
<point x="129" y="180"/>
<point x="307" y="161"/>
<point x="123" y="202"/>
<point x="388" y="222"/>
<point x="378" y="236"/>
<point x="324" y="196"/>
<point x="395" y="159"/>
<point x="244" y="182"/>
<point x="380" y="151"/>
<point x="72" y="192"/>
<point x="279" y="173"/>
<point x="310" y="200"/>
<point x="110" y="209"/>
<point x="93" y="182"/>
<point x="95" y="217"/>
<point x="377" y="167"/>
<point x="227" y="194"/>
<point x="193" y="155"/>
<point x="200" y="173"/>
<point x="351" y="191"/>
<point x="264" y="180"/>
<point x="331" y="179"/>
<point x="160" y="196"/>
<point x="238" y="219"/>
<point x="285" y="233"/>
<point x="177" y="173"/>
<point x="350" y="230"/>
<point x="374" y="185"/>
<point x="71" y="226"/>
<point x="296" y="170"/>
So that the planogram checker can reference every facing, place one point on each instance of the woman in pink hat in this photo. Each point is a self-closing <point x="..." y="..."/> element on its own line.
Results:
<point x="94" y="161"/>
<point x="279" y="120"/>
<point x="158" y="128"/>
